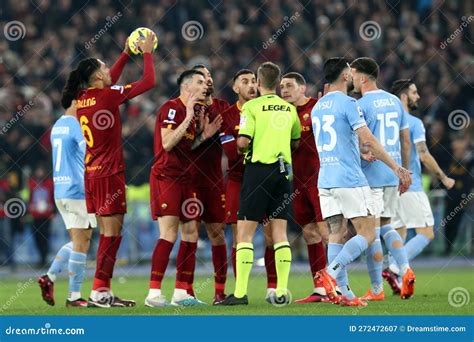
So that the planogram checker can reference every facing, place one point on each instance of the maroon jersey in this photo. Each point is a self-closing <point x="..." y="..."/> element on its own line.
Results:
<point x="174" y="165"/>
<point x="305" y="158"/>
<point x="229" y="133"/>
<point x="207" y="166"/>
<point x="99" y="116"/>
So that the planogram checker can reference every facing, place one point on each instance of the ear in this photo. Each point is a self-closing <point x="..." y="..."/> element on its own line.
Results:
<point x="259" y="83"/>
<point x="235" y="89"/>
<point x="303" y="89"/>
<point x="97" y="75"/>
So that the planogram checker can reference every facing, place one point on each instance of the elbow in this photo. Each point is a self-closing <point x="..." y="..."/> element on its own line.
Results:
<point x="295" y="144"/>
<point x="241" y="145"/>
<point x="167" y="147"/>
<point x="423" y="158"/>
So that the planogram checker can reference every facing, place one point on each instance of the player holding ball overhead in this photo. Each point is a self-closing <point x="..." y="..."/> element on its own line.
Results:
<point x="92" y="85"/>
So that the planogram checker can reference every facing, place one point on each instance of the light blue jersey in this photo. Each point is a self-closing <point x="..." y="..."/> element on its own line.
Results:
<point x="69" y="149"/>
<point x="417" y="134"/>
<point x="335" y="118"/>
<point x="385" y="117"/>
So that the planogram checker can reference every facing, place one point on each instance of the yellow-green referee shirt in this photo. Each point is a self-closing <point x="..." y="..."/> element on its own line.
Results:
<point x="271" y="123"/>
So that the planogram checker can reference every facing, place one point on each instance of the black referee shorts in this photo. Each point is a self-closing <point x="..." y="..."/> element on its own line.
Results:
<point x="265" y="193"/>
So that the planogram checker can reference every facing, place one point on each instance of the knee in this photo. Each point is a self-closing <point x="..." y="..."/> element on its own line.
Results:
<point x="170" y="235"/>
<point x="81" y="244"/>
<point x="428" y="233"/>
<point x="311" y="236"/>
<point x="216" y="234"/>
<point x="369" y="235"/>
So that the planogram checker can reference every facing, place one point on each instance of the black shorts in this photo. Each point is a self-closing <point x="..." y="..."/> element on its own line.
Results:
<point x="265" y="193"/>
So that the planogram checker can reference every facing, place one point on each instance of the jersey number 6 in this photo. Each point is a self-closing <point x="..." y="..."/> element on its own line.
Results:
<point x="86" y="131"/>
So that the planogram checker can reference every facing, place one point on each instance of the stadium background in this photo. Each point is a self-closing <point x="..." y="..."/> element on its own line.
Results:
<point x="429" y="41"/>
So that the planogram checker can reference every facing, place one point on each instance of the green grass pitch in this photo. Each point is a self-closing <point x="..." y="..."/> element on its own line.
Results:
<point x="22" y="297"/>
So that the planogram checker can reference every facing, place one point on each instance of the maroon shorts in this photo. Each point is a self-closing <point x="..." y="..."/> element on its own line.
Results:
<point x="232" y="198"/>
<point x="306" y="207"/>
<point x="212" y="200"/>
<point x="106" y="195"/>
<point x="172" y="198"/>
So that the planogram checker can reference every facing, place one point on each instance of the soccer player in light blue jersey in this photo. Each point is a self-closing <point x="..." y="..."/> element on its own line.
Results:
<point x="339" y="127"/>
<point x="68" y="146"/>
<point x="386" y="119"/>
<point x="414" y="211"/>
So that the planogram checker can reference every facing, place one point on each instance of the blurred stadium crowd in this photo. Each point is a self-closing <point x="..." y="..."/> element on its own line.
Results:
<point x="430" y="41"/>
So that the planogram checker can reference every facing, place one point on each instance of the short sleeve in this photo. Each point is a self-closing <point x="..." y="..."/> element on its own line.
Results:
<point x="247" y="122"/>
<point x="354" y="114"/>
<point x="419" y="133"/>
<point x="296" y="128"/>
<point x="166" y="117"/>
<point x="404" y="119"/>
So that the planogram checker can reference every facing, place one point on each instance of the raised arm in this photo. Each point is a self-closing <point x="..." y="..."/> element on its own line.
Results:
<point x="117" y="68"/>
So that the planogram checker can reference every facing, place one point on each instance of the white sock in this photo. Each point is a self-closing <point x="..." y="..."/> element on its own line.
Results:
<point x="95" y="295"/>
<point x="270" y="291"/>
<point x="320" y="291"/>
<point x="74" y="296"/>
<point x="394" y="268"/>
<point x="179" y="294"/>
<point x="152" y="293"/>
<point x="51" y="276"/>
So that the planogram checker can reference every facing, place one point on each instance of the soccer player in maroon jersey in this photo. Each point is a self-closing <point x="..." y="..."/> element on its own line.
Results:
<point x="98" y="101"/>
<point x="306" y="207"/>
<point x="244" y="84"/>
<point x="208" y="181"/>
<point x="172" y="197"/>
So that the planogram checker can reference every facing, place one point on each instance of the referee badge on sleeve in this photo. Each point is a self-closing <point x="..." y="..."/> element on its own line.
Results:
<point x="243" y="121"/>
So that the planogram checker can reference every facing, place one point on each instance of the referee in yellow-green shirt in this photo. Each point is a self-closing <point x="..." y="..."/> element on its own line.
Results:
<point x="269" y="130"/>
